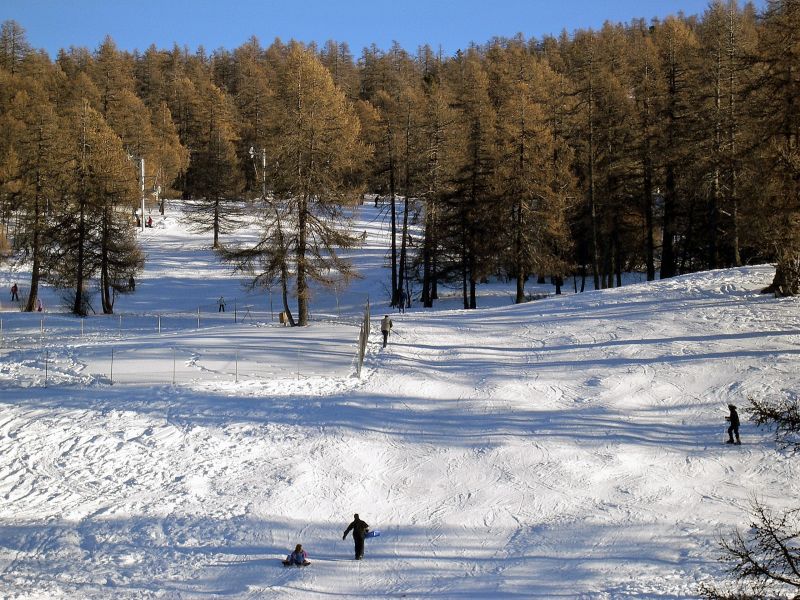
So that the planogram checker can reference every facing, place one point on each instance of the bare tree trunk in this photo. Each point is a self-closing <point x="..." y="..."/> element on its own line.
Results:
<point x="36" y="247"/>
<point x="592" y="199"/>
<point x="395" y="288"/>
<point x="106" y="298"/>
<point x="302" y="243"/>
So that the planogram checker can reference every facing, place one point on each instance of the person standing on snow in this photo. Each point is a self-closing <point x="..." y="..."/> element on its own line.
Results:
<point x="221" y="302"/>
<point x="14" y="293"/>
<point x="733" y="418"/>
<point x="401" y="305"/>
<point x="386" y="327"/>
<point x="360" y="530"/>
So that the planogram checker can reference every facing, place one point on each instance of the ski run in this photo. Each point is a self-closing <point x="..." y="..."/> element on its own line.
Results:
<point x="568" y="447"/>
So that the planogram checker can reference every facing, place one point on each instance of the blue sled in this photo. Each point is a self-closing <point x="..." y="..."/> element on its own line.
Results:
<point x="373" y="534"/>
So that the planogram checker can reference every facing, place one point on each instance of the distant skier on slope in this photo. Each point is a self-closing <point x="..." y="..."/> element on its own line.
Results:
<point x="733" y="418"/>
<point x="386" y="327"/>
<point x="360" y="530"/>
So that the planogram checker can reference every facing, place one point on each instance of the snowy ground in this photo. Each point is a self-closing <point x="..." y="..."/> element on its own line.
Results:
<point x="570" y="447"/>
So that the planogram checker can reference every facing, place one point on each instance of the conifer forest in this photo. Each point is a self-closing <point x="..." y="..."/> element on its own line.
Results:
<point x="663" y="146"/>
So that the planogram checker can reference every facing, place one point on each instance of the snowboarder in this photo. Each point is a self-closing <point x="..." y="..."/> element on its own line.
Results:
<point x="386" y="327"/>
<point x="14" y="293"/>
<point x="360" y="530"/>
<point x="733" y="418"/>
<point x="299" y="557"/>
<point x="221" y="303"/>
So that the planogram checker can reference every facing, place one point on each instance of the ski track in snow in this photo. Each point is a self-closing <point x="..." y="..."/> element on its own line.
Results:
<point x="568" y="447"/>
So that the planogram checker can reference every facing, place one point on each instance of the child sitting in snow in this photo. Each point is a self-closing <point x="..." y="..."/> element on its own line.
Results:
<point x="299" y="557"/>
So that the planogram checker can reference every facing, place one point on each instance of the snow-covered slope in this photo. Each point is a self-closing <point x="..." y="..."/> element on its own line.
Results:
<point x="569" y="447"/>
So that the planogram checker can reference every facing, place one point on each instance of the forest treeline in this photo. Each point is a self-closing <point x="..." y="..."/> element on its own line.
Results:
<point x="667" y="146"/>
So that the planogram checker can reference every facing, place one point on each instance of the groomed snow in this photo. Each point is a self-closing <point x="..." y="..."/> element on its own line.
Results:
<point x="570" y="447"/>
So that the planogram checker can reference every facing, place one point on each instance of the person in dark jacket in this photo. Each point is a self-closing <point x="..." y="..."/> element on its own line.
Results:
<point x="733" y="418"/>
<point x="360" y="530"/>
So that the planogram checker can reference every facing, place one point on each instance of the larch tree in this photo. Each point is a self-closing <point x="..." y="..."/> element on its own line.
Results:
<point x="438" y="122"/>
<point x="533" y="177"/>
<point x="470" y="221"/>
<point x="41" y="151"/>
<point x="92" y="222"/>
<point x="214" y="178"/>
<point x="779" y="153"/>
<point x="315" y="147"/>
<point x="583" y="66"/>
<point x="14" y="46"/>
<point x="648" y="92"/>
<point x="726" y="40"/>
<point x="677" y="44"/>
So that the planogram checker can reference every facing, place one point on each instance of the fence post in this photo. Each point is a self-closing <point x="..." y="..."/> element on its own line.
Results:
<point x="111" y="377"/>
<point x="81" y="327"/>
<point x="119" y="328"/>
<point x="173" y="365"/>
<point x="2" y="339"/>
<point x="198" y="317"/>
<point x="159" y="323"/>
<point x="234" y="312"/>
<point x="46" y="360"/>
<point x="236" y="376"/>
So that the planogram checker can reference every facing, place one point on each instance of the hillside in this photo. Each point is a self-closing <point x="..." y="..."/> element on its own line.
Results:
<point x="567" y="447"/>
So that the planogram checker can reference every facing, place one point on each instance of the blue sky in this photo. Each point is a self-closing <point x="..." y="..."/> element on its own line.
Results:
<point x="54" y="24"/>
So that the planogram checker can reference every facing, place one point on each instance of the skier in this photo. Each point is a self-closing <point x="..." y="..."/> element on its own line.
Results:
<point x="386" y="327"/>
<point x="221" y="302"/>
<point x="14" y="293"/>
<point x="299" y="557"/>
<point x="733" y="418"/>
<point x="360" y="530"/>
<point x="402" y="304"/>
